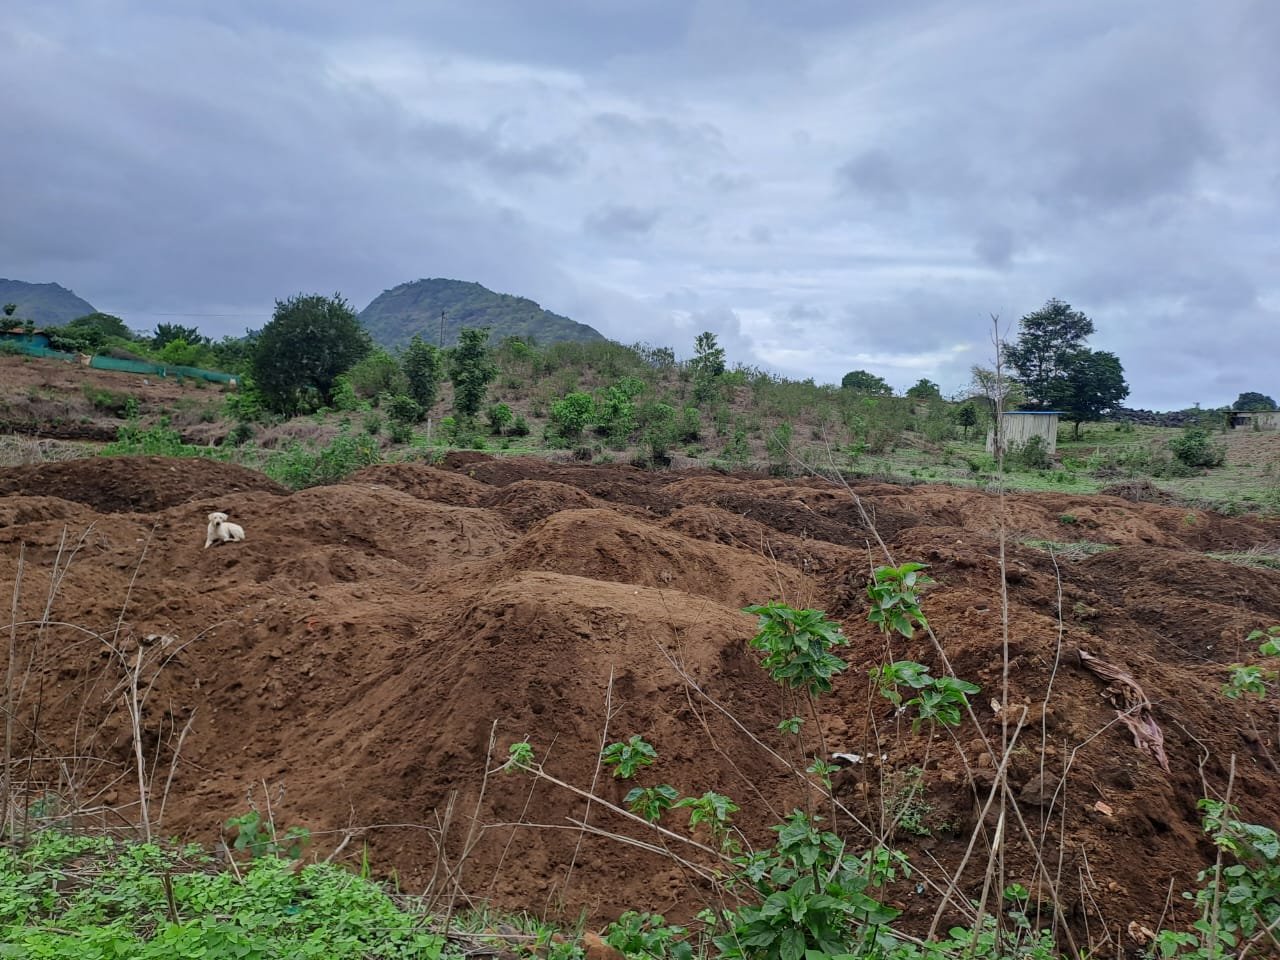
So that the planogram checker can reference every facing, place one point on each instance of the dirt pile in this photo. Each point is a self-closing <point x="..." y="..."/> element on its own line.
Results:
<point x="373" y="647"/>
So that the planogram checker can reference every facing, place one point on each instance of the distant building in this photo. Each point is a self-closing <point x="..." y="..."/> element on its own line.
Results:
<point x="1254" y="419"/>
<point x="1019" y="426"/>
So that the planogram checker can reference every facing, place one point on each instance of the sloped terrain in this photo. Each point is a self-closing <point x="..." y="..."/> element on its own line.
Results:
<point x="372" y="648"/>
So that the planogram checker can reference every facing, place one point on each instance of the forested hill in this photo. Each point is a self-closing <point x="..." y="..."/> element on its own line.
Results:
<point x="397" y="314"/>
<point x="44" y="304"/>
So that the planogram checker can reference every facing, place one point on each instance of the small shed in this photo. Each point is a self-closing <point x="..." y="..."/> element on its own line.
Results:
<point x="1255" y="419"/>
<point x="1019" y="426"/>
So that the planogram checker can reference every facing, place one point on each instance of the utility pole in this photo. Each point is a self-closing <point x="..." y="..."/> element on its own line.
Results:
<point x="441" y="329"/>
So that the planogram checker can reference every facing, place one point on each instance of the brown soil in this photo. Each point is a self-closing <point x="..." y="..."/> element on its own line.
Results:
<point x="369" y="642"/>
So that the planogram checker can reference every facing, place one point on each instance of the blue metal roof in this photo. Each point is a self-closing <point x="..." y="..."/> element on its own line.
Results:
<point x="1033" y="413"/>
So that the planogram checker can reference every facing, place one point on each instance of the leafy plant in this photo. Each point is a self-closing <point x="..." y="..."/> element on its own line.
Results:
<point x="797" y="646"/>
<point x="1239" y="904"/>
<point x="1194" y="449"/>
<point x="648" y="935"/>
<point x="895" y="598"/>
<point x="1253" y="678"/>
<point x="937" y="700"/>
<point x="259" y="837"/>
<point x="716" y="811"/>
<point x="651" y="802"/>
<point x="815" y="898"/>
<point x="572" y="413"/>
<point x="626" y="758"/>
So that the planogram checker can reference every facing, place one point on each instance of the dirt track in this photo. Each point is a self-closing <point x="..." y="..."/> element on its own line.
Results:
<point x="358" y="651"/>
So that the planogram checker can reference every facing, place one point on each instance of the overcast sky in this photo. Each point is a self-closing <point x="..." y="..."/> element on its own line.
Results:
<point x="827" y="185"/>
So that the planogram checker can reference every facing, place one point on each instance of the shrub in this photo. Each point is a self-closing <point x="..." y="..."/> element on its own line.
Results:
<point x="376" y="374"/>
<point x="500" y="417"/>
<point x="401" y="409"/>
<point x="572" y="413"/>
<point x="520" y="428"/>
<point x="1032" y="455"/>
<point x="1194" y="449"/>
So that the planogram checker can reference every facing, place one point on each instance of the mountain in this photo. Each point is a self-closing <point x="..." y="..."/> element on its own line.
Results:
<point x="44" y="304"/>
<point x="395" y="315"/>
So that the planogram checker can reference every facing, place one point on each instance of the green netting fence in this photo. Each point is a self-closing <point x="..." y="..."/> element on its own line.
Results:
<point x="37" y="346"/>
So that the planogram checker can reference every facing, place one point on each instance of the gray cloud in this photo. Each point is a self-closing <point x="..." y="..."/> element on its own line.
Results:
<point x="620" y="221"/>
<point x="827" y="186"/>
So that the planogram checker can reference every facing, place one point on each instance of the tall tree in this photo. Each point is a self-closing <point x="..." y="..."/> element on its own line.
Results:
<point x="1091" y="385"/>
<point x="471" y="369"/>
<point x="707" y="365"/>
<point x="166" y="333"/>
<point x="924" y="389"/>
<point x="1252" y="400"/>
<point x="860" y="381"/>
<point x="1047" y="341"/>
<point x="298" y="356"/>
<point x="996" y="390"/>
<point x="424" y="368"/>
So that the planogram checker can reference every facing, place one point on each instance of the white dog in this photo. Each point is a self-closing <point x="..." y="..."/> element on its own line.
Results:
<point x="222" y="531"/>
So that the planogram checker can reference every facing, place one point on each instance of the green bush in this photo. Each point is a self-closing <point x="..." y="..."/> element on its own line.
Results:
<point x="571" y="414"/>
<point x="500" y="417"/>
<point x="1194" y="449"/>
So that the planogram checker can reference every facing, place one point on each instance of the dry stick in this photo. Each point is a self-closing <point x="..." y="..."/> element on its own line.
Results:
<point x="469" y="842"/>
<point x="583" y="827"/>
<point x="701" y="715"/>
<point x="1047" y="814"/>
<point x="173" y="766"/>
<point x="135" y="712"/>
<point x="1214" y="917"/>
<point x="982" y="816"/>
<point x="528" y="800"/>
<point x="1002" y="531"/>
<point x="595" y="778"/>
<point x="947" y="892"/>
<point x="537" y="771"/>
<point x="9" y="705"/>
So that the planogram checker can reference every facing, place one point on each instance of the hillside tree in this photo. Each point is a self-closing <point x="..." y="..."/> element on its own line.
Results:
<point x="860" y="381"/>
<point x="924" y="389"/>
<point x="708" y="364"/>
<point x="166" y="333"/>
<point x="1092" y="384"/>
<point x="471" y="369"/>
<point x="1253" y="401"/>
<point x="424" y="368"/>
<point x="1047" y="340"/>
<point x="298" y="356"/>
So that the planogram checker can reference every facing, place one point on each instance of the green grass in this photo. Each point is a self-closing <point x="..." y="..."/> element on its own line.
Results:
<point x="97" y="898"/>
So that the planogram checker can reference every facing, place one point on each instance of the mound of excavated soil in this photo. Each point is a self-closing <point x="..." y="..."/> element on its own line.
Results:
<point x="133" y="484"/>
<point x="373" y="647"/>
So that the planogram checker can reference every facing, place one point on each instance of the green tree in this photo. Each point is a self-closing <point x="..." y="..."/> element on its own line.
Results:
<point x="707" y="366"/>
<point x="860" y="381"/>
<point x="377" y="373"/>
<point x="471" y="370"/>
<point x="180" y="353"/>
<point x="424" y="367"/>
<point x="9" y="309"/>
<point x="234" y="354"/>
<point x="1090" y="385"/>
<point x="1048" y="339"/>
<point x="966" y="417"/>
<point x="1253" y="401"/>
<point x="924" y="389"/>
<point x="166" y="333"/>
<point x="995" y="390"/>
<point x="298" y="356"/>
<point x="571" y="414"/>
